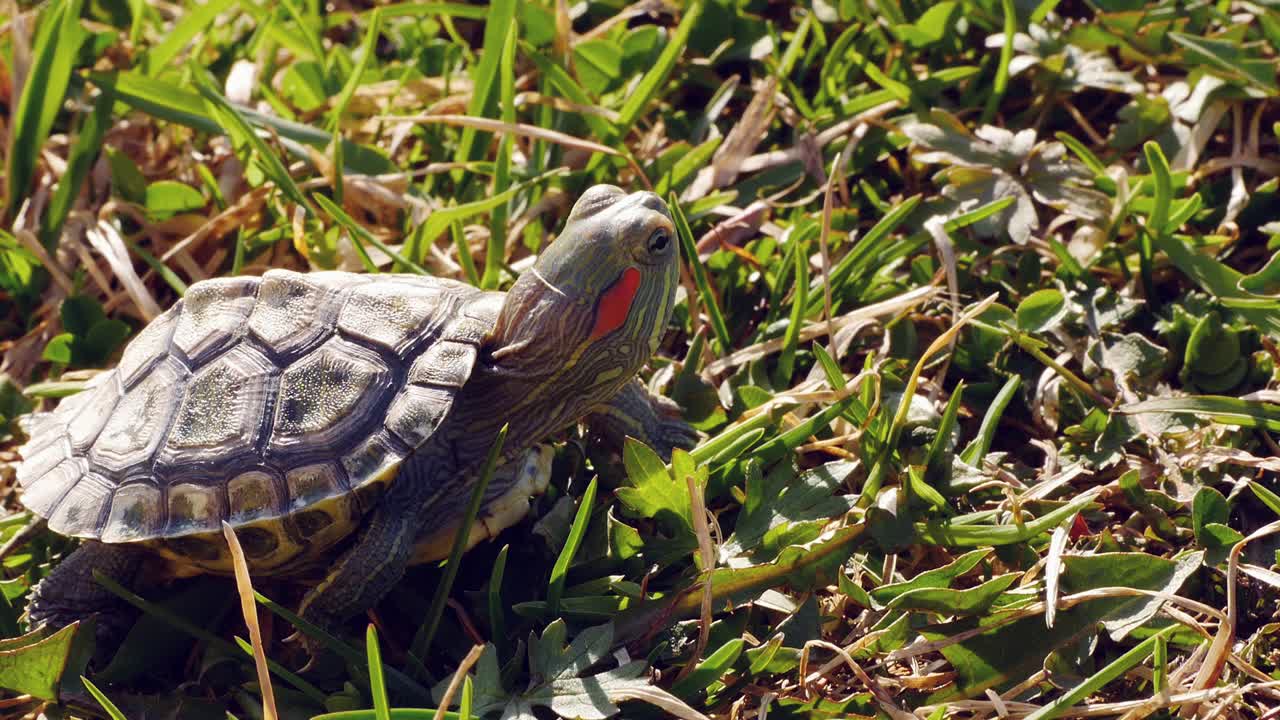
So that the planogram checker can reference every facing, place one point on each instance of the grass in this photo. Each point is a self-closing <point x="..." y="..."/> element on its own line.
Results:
<point x="979" y="323"/>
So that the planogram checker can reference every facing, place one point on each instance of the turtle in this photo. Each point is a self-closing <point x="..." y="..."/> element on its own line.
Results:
<point x="342" y="418"/>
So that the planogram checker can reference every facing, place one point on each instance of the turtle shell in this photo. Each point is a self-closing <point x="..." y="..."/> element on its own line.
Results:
<point x="281" y="405"/>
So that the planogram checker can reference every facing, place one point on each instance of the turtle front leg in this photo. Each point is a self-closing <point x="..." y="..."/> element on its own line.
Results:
<point x="71" y="593"/>
<point x="652" y="419"/>
<point x="365" y="573"/>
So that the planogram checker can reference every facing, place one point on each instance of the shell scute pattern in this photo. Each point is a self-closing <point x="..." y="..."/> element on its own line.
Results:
<point x="446" y="364"/>
<point x="214" y="315"/>
<point x="80" y="510"/>
<point x="283" y="404"/>
<point x="374" y="460"/>
<point x="150" y="344"/>
<point x="394" y="314"/>
<point x="254" y="494"/>
<point x="194" y="508"/>
<point x="137" y="513"/>
<point x="417" y="412"/>
<point x="140" y="421"/>
<point x="292" y="311"/>
<point x="329" y="395"/>
<point x="38" y="463"/>
<point x="43" y="497"/>
<point x="89" y="415"/>
<point x="221" y="413"/>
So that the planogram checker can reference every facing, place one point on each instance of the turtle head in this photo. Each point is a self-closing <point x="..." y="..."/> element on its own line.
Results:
<point x="592" y="309"/>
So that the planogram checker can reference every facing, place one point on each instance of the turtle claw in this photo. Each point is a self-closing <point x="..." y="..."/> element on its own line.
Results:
<point x="309" y="646"/>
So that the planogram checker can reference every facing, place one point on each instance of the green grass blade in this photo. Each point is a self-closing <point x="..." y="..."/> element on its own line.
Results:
<point x="397" y="714"/>
<point x="1158" y="220"/>
<point x="981" y="445"/>
<point x="559" y="79"/>
<point x="243" y="134"/>
<point x="284" y="673"/>
<point x="484" y="99"/>
<point x="112" y="711"/>
<point x="1082" y="152"/>
<point x="656" y="77"/>
<point x="175" y="103"/>
<point x="304" y="36"/>
<point x="428" y="9"/>
<point x="368" y="50"/>
<point x="467" y="262"/>
<point x="160" y="57"/>
<point x="780" y="446"/>
<point x="441" y="219"/>
<point x="791" y="338"/>
<point x="954" y="535"/>
<point x="710" y="670"/>
<point x="427" y="631"/>
<point x="1098" y="680"/>
<point x="718" y="327"/>
<point x="315" y="632"/>
<point x="730" y="436"/>
<point x="53" y="54"/>
<point x="497" y="614"/>
<point x="1217" y="408"/>
<point x="87" y="148"/>
<point x="859" y="259"/>
<point x="1001" y="82"/>
<point x="170" y="277"/>
<point x="377" y="685"/>
<point x="1267" y="497"/>
<point x="360" y="234"/>
<point x="199" y="633"/>
<point x="555" y="589"/>
<point x="467" y="699"/>
<point x="830" y="368"/>
<point x="938" y="459"/>
<point x="495" y="256"/>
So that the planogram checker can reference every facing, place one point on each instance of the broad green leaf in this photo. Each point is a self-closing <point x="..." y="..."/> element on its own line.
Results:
<point x="1265" y="281"/>
<point x="710" y="670"/>
<point x="598" y="62"/>
<point x="931" y="579"/>
<point x="781" y="509"/>
<point x="1040" y="310"/>
<point x="166" y="198"/>
<point x="653" y="492"/>
<point x="1003" y="655"/>
<point x="945" y="601"/>
<point x="35" y="663"/>
<point x="126" y="178"/>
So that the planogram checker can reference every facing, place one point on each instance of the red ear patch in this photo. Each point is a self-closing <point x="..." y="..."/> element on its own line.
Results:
<point x="615" y="304"/>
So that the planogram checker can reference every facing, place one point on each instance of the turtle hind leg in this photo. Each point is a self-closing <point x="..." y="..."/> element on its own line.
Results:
<point x="71" y="593"/>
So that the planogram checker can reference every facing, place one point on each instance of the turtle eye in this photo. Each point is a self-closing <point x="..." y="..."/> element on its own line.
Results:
<point x="659" y="241"/>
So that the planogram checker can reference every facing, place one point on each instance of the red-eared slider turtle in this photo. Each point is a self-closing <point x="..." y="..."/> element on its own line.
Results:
<point x="340" y="415"/>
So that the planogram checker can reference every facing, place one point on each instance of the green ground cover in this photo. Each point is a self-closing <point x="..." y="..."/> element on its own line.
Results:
<point x="979" y="322"/>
